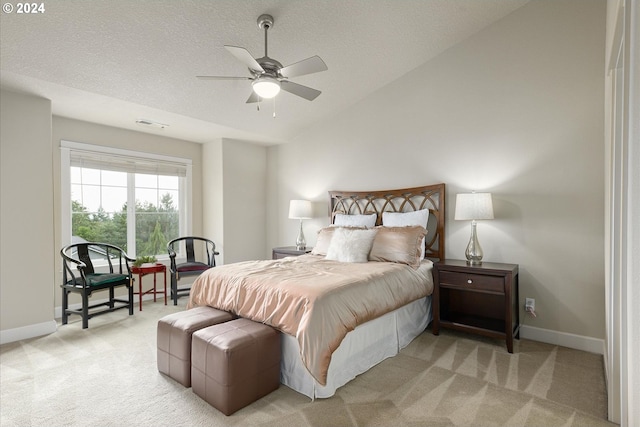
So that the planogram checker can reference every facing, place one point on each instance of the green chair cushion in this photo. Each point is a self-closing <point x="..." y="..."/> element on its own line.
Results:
<point x="100" y="279"/>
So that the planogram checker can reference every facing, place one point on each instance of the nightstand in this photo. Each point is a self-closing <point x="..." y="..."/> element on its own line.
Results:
<point x="481" y="299"/>
<point x="286" y="251"/>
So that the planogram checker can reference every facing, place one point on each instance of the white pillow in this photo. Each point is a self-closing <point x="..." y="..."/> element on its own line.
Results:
<point x="355" y="220"/>
<point x="351" y="245"/>
<point x="403" y="219"/>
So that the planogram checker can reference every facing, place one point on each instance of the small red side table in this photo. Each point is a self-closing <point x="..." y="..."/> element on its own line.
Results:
<point x="150" y="268"/>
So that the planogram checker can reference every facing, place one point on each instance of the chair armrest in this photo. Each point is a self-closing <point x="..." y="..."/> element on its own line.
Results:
<point x="172" y="253"/>
<point x="172" y="259"/>
<point x="67" y="258"/>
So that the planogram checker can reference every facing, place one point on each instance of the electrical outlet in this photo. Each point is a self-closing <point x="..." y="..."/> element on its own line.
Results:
<point x="530" y="304"/>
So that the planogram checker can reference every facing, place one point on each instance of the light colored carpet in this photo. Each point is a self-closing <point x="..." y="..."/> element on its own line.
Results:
<point x="106" y="376"/>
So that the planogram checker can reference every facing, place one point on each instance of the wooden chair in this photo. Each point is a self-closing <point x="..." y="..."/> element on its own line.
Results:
<point x="80" y="276"/>
<point x="191" y="267"/>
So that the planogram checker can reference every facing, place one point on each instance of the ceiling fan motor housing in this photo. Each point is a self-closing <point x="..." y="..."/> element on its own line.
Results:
<point x="265" y="21"/>
<point x="270" y="66"/>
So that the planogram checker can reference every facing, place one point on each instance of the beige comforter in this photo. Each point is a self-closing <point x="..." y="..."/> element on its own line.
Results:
<point x="318" y="301"/>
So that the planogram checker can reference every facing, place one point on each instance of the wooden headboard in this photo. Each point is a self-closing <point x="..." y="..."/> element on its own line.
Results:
<point x="430" y="197"/>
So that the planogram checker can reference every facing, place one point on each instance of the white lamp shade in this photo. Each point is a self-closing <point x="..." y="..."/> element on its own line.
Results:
<point x="300" y="209"/>
<point x="266" y="87"/>
<point x="471" y="206"/>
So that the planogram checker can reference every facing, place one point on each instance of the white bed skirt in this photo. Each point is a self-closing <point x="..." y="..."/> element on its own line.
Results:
<point x="362" y="349"/>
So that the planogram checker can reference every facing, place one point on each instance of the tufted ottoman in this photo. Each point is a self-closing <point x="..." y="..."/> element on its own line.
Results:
<point x="235" y="363"/>
<point x="174" y="339"/>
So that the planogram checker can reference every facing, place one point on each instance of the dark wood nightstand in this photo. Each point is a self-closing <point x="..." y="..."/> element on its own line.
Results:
<point x="481" y="299"/>
<point x="286" y="251"/>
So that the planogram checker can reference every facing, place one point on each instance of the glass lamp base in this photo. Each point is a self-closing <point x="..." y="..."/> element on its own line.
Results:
<point x="474" y="251"/>
<point x="301" y="243"/>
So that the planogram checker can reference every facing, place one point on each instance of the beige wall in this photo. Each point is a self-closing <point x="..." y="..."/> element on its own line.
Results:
<point x="245" y="199"/>
<point x="234" y="178"/>
<point x="212" y="196"/>
<point x="516" y="110"/>
<point x="91" y="133"/>
<point x="26" y="218"/>
<point x="235" y="198"/>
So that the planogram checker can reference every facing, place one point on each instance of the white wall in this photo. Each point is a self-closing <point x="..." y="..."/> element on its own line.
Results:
<point x="26" y="218"/>
<point x="517" y="110"/>
<point x="632" y="320"/>
<point x="622" y="206"/>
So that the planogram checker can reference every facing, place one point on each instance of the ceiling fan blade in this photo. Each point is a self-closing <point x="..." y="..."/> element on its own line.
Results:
<point x="245" y="57"/>
<point x="300" y="90"/>
<point x="314" y="64"/>
<point x="222" y="78"/>
<point x="253" y="98"/>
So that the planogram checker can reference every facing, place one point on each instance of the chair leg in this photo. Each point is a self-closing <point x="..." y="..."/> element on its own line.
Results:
<point x="111" y="297"/>
<point x="130" y="298"/>
<point x="174" y="288"/>
<point x="65" y="306"/>
<point x="85" y="310"/>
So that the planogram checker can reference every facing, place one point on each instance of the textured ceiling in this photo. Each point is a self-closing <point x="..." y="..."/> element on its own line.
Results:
<point x="116" y="61"/>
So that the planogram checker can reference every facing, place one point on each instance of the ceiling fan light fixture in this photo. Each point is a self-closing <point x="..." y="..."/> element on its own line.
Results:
<point x="266" y="87"/>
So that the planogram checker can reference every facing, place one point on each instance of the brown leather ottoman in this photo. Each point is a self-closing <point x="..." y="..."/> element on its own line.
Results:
<point x="234" y="364"/>
<point x="174" y="339"/>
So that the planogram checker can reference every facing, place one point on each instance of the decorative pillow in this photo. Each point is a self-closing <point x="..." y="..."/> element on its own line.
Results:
<point x="351" y="245"/>
<point x="355" y="220"/>
<point x="398" y="244"/>
<point x="323" y="240"/>
<point x="401" y="219"/>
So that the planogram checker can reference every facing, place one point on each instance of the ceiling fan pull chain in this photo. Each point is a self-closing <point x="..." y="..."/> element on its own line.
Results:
<point x="258" y="103"/>
<point x="274" y="107"/>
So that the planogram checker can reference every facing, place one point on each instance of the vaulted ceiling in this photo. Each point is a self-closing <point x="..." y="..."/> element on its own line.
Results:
<point x="115" y="61"/>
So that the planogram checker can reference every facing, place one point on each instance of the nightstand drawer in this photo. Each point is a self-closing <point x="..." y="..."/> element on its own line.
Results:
<point x="472" y="281"/>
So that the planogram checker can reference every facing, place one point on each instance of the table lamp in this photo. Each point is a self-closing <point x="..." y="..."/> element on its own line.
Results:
<point x="300" y="209"/>
<point x="474" y="206"/>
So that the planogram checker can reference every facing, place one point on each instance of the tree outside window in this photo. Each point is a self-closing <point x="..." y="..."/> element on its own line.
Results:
<point x="99" y="209"/>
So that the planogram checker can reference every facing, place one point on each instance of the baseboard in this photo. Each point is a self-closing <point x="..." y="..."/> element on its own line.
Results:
<point x="578" y="342"/>
<point x="46" y="328"/>
<point x="29" y="331"/>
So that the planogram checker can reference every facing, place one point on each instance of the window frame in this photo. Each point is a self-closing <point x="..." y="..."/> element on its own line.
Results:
<point x="185" y="189"/>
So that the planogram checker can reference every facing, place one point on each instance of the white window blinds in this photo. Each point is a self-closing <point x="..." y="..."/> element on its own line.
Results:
<point x="126" y="163"/>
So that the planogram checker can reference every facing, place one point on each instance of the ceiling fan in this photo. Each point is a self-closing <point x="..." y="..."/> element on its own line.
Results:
<point x="268" y="76"/>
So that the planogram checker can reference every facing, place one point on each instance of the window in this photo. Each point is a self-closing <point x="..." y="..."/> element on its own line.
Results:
<point x="130" y="199"/>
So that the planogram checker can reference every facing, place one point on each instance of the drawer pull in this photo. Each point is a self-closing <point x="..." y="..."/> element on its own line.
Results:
<point x="469" y="281"/>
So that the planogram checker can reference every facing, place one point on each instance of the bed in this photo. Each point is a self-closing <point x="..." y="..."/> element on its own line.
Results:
<point x="340" y="318"/>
